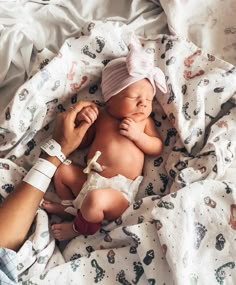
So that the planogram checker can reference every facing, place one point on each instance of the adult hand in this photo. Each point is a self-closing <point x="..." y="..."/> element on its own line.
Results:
<point x="88" y="114"/>
<point x="67" y="132"/>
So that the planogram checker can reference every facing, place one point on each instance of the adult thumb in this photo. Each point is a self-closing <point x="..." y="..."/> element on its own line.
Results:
<point x="81" y="129"/>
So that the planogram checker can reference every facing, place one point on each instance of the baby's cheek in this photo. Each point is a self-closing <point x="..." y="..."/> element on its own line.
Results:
<point x="149" y="111"/>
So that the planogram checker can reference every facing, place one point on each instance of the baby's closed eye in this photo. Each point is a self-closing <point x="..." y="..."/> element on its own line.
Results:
<point x="131" y="97"/>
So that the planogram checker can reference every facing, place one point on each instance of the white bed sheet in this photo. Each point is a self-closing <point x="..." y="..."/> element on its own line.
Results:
<point x="167" y="240"/>
<point x="209" y="24"/>
<point x="28" y="27"/>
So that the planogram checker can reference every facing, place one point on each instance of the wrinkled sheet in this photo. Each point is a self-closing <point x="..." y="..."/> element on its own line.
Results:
<point x="209" y="24"/>
<point x="31" y="31"/>
<point x="185" y="237"/>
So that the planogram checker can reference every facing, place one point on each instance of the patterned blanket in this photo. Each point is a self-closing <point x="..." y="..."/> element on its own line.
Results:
<point x="181" y="229"/>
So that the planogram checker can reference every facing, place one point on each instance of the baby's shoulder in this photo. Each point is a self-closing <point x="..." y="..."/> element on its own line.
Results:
<point x="149" y="124"/>
<point x="102" y="111"/>
<point x="150" y="127"/>
<point x="149" y="121"/>
<point x="102" y="114"/>
<point x="103" y="117"/>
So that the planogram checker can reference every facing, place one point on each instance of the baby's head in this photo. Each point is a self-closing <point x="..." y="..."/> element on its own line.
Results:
<point x="134" y="101"/>
<point x="131" y="83"/>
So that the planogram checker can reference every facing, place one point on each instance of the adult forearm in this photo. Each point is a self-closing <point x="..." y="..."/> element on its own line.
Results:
<point x="18" y="211"/>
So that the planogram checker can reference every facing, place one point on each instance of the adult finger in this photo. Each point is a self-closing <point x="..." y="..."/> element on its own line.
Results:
<point x="82" y="104"/>
<point x="81" y="130"/>
<point x="72" y="139"/>
<point x="70" y="115"/>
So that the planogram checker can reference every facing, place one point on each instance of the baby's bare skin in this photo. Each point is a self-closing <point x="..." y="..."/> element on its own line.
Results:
<point x="119" y="154"/>
<point x="123" y="132"/>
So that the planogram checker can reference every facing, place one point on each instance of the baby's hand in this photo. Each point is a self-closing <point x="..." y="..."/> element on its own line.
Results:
<point x="129" y="129"/>
<point x="88" y="114"/>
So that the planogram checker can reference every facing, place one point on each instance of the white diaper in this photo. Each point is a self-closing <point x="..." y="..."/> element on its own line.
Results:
<point x="127" y="187"/>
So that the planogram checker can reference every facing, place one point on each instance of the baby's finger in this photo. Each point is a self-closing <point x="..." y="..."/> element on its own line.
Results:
<point x="95" y="109"/>
<point x="124" y="126"/>
<point x="91" y="114"/>
<point x="70" y="116"/>
<point x="83" y="117"/>
<point x="124" y="133"/>
<point x="80" y="105"/>
<point x="128" y="120"/>
<point x="87" y="118"/>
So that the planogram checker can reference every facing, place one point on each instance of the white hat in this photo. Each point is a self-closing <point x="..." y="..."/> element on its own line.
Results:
<point x="122" y="72"/>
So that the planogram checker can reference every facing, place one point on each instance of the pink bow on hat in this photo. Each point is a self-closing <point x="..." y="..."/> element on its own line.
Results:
<point x="122" y="72"/>
<point x="138" y="65"/>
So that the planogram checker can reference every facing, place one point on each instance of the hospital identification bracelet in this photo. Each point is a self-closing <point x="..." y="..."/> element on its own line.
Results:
<point x="40" y="174"/>
<point x="52" y="148"/>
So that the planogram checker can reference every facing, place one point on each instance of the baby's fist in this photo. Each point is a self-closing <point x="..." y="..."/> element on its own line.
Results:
<point x="88" y="114"/>
<point x="130" y="129"/>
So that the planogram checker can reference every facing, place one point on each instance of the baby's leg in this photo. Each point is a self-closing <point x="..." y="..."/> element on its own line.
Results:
<point x="99" y="204"/>
<point x="68" y="181"/>
<point x="64" y="231"/>
<point x="105" y="203"/>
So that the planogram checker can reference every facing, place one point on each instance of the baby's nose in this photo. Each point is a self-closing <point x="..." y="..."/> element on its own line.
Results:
<point x="143" y="102"/>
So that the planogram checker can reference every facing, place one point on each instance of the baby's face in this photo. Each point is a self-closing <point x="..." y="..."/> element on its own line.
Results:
<point x="133" y="102"/>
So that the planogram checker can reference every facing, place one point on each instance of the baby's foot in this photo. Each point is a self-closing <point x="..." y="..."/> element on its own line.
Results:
<point x="56" y="209"/>
<point x="64" y="231"/>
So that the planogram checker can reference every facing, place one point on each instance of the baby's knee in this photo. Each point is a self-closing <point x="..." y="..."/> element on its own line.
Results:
<point x="60" y="173"/>
<point x="92" y="199"/>
<point x="92" y="208"/>
<point x="100" y="199"/>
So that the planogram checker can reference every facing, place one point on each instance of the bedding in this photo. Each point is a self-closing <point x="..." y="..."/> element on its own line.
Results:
<point x="181" y="228"/>
<point x="209" y="24"/>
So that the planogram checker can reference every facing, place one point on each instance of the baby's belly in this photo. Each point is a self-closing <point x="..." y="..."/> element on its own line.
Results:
<point x="124" y="161"/>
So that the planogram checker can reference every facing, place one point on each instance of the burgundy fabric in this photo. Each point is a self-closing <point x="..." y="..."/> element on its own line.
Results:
<point x="84" y="227"/>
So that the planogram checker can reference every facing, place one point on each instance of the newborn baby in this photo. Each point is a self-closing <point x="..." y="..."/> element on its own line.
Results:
<point x="119" y="137"/>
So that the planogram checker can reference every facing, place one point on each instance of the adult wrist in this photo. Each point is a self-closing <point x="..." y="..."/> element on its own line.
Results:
<point x="54" y="160"/>
<point x="65" y="150"/>
<point x="40" y="174"/>
<point x="54" y="149"/>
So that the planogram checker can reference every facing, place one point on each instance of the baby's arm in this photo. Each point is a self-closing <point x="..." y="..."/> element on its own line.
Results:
<point x="88" y="114"/>
<point x="148" y="140"/>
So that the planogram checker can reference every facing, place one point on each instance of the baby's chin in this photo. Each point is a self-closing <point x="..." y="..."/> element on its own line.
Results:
<point x="138" y="117"/>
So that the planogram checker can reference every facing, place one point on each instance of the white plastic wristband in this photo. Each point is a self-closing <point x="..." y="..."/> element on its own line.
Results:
<point x="45" y="167"/>
<point x="40" y="174"/>
<point x="53" y="148"/>
<point x="37" y="180"/>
